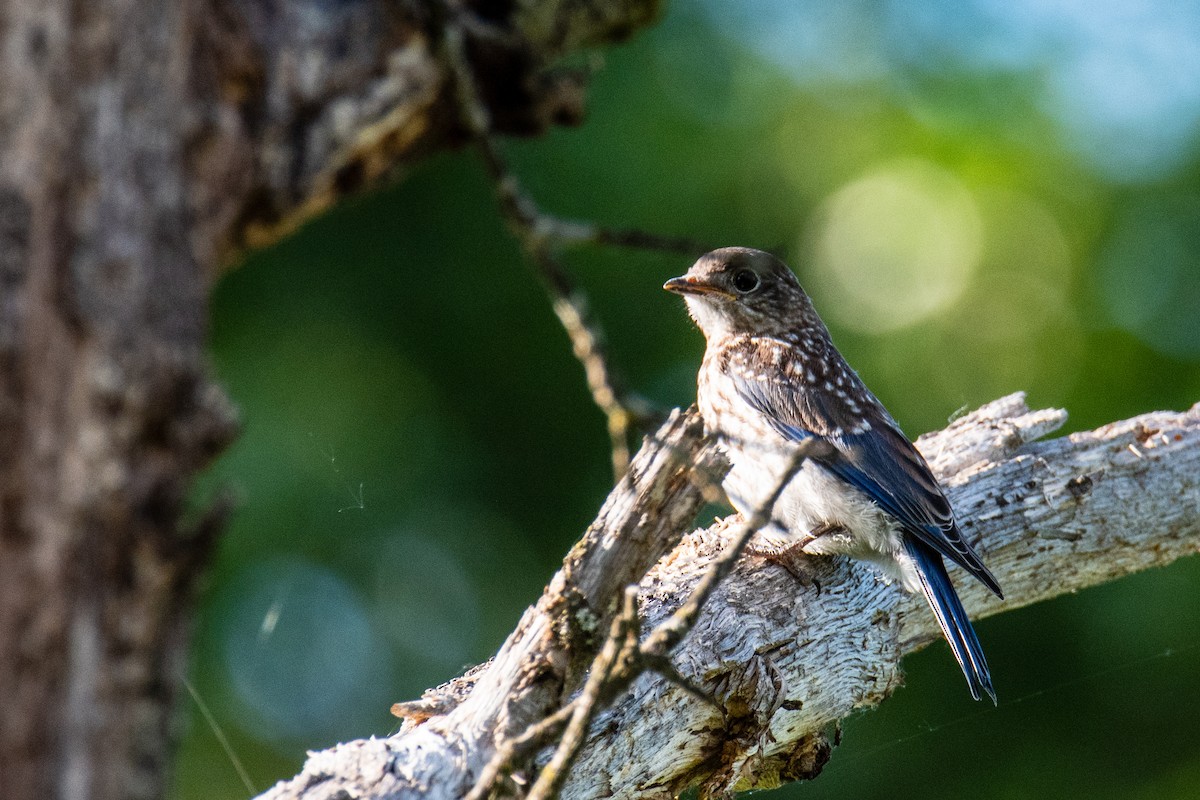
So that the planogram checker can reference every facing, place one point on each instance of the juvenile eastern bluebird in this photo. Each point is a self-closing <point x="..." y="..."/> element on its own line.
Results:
<point x="771" y="377"/>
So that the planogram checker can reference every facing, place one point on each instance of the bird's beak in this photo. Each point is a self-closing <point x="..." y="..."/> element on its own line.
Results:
<point x="689" y="285"/>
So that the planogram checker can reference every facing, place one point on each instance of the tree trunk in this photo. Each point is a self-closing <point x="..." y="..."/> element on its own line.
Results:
<point x="141" y="144"/>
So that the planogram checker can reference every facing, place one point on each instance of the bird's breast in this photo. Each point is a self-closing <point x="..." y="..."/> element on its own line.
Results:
<point x="814" y="498"/>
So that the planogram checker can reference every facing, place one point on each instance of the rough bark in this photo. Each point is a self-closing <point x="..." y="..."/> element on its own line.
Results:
<point x="787" y="658"/>
<point x="141" y="143"/>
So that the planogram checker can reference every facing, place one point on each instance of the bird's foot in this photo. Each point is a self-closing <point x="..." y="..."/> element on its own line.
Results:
<point x="817" y="542"/>
<point x="795" y="556"/>
<point x="789" y="556"/>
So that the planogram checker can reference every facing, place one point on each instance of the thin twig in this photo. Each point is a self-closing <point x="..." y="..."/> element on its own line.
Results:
<point x="513" y="751"/>
<point x="540" y="233"/>
<point x="527" y="224"/>
<point x="615" y="678"/>
<point x="621" y="660"/>
<point x="643" y="240"/>
<point x="611" y="671"/>
<point x="518" y="748"/>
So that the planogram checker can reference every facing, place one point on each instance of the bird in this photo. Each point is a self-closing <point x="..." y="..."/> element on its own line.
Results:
<point x="771" y="378"/>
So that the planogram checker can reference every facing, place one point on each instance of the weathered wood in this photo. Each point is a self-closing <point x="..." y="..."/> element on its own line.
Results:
<point x="787" y="657"/>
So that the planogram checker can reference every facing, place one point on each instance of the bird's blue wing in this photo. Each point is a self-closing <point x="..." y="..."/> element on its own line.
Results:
<point x="870" y="451"/>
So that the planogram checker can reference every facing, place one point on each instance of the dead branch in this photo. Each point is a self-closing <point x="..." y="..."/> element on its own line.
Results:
<point x="621" y="660"/>
<point x="786" y="659"/>
<point x="541" y="234"/>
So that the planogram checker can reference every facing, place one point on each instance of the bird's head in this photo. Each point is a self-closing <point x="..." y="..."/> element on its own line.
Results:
<point x="738" y="290"/>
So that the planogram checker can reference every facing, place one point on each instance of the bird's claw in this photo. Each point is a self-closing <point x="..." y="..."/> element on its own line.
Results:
<point x="795" y="556"/>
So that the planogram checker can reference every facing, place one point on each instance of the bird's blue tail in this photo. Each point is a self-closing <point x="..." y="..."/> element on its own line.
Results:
<point x="952" y="617"/>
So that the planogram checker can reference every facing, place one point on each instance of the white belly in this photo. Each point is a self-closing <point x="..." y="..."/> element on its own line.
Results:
<point x="816" y="499"/>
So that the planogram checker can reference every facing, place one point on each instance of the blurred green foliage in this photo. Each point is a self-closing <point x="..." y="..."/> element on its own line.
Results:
<point x="419" y="448"/>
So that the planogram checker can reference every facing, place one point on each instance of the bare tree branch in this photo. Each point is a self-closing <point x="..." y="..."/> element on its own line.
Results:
<point x="621" y="646"/>
<point x="788" y="658"/>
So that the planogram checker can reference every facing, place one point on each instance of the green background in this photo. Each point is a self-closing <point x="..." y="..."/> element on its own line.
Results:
<point x="980" y="198"/>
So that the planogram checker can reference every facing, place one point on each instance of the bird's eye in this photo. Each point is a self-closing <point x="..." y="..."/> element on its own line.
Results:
<point x="745" y="281"/>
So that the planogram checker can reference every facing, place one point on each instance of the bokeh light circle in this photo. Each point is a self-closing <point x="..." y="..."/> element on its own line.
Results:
<point x="895" y="247"/>
<point x="428" y="603"/>
<point x="1148" y="281"/>
<point x="297" y="647"/>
